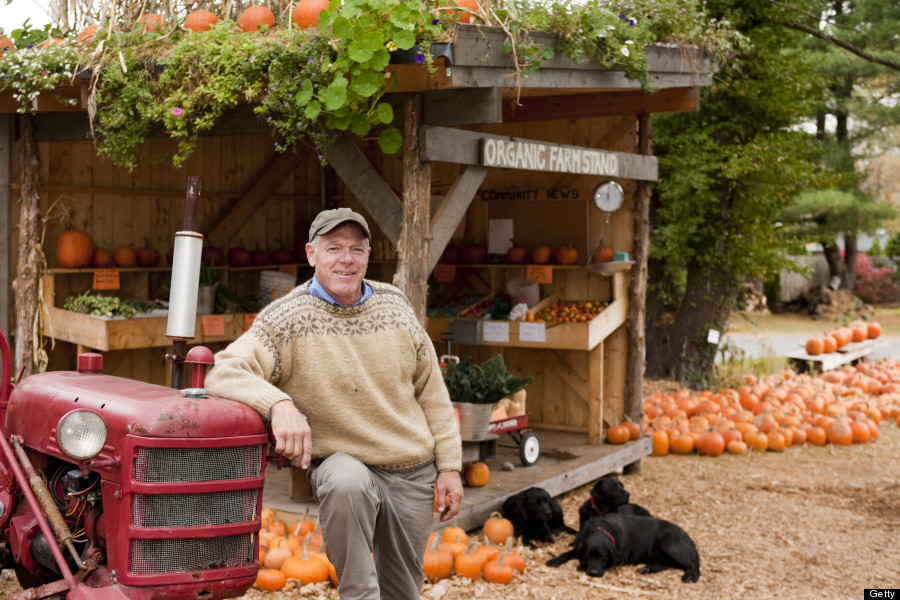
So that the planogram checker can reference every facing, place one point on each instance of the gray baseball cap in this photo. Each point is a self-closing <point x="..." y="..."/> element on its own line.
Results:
<point x="327" y="220"/>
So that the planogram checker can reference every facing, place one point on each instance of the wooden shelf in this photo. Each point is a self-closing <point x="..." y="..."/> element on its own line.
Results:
<point x="559" y="336"/>
<point x="120" y="334"/>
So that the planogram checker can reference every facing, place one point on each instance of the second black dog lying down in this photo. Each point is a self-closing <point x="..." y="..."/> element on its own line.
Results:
<point x="608" y="496"/>
<point x="619" y="539"/>
<point x="535" y="515"/>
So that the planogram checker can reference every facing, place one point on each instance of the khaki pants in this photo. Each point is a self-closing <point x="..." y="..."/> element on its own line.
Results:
<point x="375" y="525"/>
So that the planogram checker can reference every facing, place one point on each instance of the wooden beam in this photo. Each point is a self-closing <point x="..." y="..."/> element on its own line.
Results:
<point x="412" y="275"/>
<point x="464" y="106"/>
<point x="269" y="181"/>
<point x="6" y="148"/>
<point x="452" y="209"/>
<point x="602" y="104"/>
<point x="444" y="144"/>
<point x="367" y="185"/>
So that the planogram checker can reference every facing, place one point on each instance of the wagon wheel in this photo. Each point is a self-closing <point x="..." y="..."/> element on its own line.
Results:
<point x="529" y="449"/>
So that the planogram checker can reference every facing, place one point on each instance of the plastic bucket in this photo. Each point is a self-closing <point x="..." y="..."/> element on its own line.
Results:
<point x="524" y="290"/>
<point x="474" y="420"/>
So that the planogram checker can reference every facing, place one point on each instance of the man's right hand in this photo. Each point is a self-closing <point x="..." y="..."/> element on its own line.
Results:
<point x="293" y="438"/>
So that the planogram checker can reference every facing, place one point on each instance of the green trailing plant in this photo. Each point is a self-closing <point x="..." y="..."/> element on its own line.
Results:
<point x="486" y="383"/>
<point x="103" y="306"/>
<point x="311" y="85"/>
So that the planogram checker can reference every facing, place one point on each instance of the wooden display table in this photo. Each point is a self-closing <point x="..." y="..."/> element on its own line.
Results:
<point x="852" y="353"/>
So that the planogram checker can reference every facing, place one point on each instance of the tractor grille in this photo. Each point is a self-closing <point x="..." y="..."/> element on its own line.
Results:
<point x="176" y="465"/>
<point x="193" y="509"/>
<point x="149" y="557"/>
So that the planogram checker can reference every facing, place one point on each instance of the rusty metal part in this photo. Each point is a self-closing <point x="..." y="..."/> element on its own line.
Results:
<point x="60" y="530"/>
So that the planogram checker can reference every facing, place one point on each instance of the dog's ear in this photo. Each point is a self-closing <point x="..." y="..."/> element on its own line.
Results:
<point x="513" y="510"/>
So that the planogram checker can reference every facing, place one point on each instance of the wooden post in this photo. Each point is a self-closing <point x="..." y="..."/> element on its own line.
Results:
<point x="637" y="292"/>
<point x="6" y="145"/>
<point x="25" y="286"/>
<point x="412" y="247"/>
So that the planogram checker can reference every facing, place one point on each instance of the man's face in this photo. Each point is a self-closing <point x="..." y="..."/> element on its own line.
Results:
<point x="340" y="258"/>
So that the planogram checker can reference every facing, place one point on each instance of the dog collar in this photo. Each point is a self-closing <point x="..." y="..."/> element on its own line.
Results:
<point x="594" y="508"/>
<point x="609" y="535"/>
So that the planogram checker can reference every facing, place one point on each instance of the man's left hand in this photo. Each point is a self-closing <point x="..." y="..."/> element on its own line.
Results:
<point x="449" y="486"/>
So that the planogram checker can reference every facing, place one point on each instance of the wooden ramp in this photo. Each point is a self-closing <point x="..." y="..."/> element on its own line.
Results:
<point x="566" y="462"/>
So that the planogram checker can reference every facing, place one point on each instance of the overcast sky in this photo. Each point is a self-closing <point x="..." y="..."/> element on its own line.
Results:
<point x="12" y="15"/>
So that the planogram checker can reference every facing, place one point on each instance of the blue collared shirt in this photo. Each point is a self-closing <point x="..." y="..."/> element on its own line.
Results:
<point x="316" y="289"/>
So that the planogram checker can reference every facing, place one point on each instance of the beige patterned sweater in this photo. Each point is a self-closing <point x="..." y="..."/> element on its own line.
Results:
<point x="366" y="376"/>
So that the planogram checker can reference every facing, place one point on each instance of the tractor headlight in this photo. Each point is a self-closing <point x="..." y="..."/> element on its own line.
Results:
<point x="81" y="434"/>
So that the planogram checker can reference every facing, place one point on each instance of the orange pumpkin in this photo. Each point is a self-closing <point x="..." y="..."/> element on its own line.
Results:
<point x="150" y="23"/>
<point x="498" y="571"/>
<point x="270" y="580"/>
<point x="498" y="529"/>
<point x="454" y="534"/>
<point x="513" y="559"/>
<point x="306" y="568"/>
<point x="125" y="256"/>
<point x="634" y="429"/>
<point x="858" y="331"/>
<point x="102" y="258"/>
<point x="737" y="447"/>
<point x="306" y="13"/>
<point x="840" y="434"/>
<point x="253" y="17"/>
<point x="477" y="474"/>
<point x="603" y="254"/>
<point x="200" y="21"/>
<point x="873" y="329"/>
<point x="462" y="15"/>
<point x="815" y="346"/>
<point x="830" y="344"/>
<point x="276" y="556"/>
<point x="469" y="563"/>
<point x="776" y="442"/>
<point x="541" y="255"/>
<point x="86" y="35"/>
<point x="618" y="434"/>
<point x="567" y="255"/>
<point x="437" y="563"/>
<point x="710" y="444"/>
<point x="681" y="443"/>
<point x="660" y="443"/>
<point x="74" y="249"/>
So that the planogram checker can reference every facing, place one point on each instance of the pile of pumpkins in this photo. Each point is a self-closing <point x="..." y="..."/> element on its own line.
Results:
<point x="841" y="407"/>
<point x="293" y="555"/>
<point x="857" y="331"/>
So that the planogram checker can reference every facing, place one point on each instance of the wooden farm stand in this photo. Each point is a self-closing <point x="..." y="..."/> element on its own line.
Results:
<point x="469" y="131"/>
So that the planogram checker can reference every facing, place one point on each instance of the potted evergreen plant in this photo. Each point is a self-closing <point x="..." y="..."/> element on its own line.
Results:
<point x="476" y="389"/>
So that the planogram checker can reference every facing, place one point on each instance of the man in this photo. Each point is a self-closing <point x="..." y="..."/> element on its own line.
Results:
<point x="351" y="385"/>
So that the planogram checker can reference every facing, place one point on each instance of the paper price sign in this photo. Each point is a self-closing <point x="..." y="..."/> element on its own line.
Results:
<point x="212" y="325"/>
<point x="540" y="273"/>
<point x="248" y="321"/>
<point x="495" y="331"/>
<point x="106" y="279"/>
<point x="532" y="332"/>
<point x="444" y="273"/>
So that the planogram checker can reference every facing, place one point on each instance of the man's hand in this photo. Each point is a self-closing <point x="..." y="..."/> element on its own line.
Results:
<point x="293" y="438"/>
<point x="449" y="485"/>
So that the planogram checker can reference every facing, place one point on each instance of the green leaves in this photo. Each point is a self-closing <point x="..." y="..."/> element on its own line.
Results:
<point x="486" y="383"/>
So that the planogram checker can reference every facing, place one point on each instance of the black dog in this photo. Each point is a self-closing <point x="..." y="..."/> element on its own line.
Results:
<point x="535" y="515"/>
<point x="608" y="496"/>
<point x="616" y="539"/>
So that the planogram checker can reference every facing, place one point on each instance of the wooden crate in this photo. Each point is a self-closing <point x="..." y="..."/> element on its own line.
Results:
<point x="120" y="334"/>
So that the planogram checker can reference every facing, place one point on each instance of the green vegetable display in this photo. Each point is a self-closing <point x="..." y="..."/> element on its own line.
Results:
<point x="104" y="306"/>
<point x="486" y="383"/>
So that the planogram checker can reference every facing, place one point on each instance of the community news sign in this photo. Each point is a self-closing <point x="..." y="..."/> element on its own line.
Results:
<point x="537" y="156"/>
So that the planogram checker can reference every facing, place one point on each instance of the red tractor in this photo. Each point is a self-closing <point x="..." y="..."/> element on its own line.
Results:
<point x="113" y="489"/>
<point x="116" y="489"/>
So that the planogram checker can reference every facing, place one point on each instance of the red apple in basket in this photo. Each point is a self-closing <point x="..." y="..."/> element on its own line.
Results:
<point x="541" y="255"/>
<point x="212" y="255"/>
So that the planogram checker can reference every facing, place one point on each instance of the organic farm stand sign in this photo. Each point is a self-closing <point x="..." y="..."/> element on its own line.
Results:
<point x="322" y="101"/>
